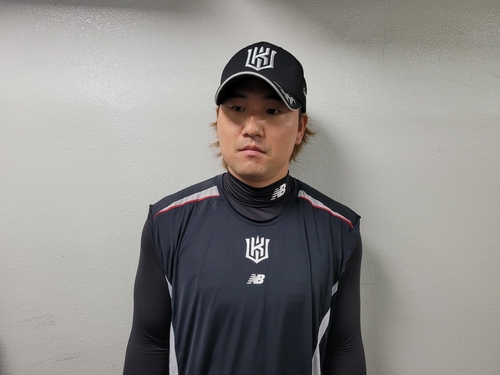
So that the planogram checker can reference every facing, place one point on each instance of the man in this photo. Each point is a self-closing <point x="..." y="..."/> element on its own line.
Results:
<point x="251" y="272"/>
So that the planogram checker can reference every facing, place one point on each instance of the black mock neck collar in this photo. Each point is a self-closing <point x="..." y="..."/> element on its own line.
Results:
<point x="259" y="204"/>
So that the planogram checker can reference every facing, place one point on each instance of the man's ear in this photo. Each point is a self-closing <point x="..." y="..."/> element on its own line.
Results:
<point x="304" y="119"/>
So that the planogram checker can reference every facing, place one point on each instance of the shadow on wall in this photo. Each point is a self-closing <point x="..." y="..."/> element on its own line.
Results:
<point x="161" y="5"/>
<point x="378" y="304"/>
<point x="404" y="25"/>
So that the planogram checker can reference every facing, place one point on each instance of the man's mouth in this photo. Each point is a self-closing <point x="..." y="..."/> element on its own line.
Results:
<point x="252" y="148"/>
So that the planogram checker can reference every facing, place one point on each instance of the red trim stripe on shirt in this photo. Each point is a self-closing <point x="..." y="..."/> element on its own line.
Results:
<point x="317" y="204"/>
<point x="211" y="192"/>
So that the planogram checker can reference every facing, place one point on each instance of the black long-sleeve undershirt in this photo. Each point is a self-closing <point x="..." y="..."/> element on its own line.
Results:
<point x="148" y="346"/>
<point x="345" y="354"/>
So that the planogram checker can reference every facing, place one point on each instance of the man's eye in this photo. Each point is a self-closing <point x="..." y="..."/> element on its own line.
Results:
<point x="273" y="111"/>
<point x="237" y="108"/>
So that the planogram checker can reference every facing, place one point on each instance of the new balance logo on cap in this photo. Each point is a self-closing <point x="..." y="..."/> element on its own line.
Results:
<point x="259" y="59"/>
<point x="256" y="278"/>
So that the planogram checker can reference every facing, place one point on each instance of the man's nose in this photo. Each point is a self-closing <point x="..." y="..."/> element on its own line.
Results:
<point x="253" y="126"/>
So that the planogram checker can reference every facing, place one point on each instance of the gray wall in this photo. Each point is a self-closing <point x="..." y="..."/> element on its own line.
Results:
<point x="105" y="109"/>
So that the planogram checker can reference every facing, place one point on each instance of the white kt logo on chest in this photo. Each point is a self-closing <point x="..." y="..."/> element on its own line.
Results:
<point x="257" y="248"/>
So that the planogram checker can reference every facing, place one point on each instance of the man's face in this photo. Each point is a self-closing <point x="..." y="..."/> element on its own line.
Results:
<point x="257" y="133"/>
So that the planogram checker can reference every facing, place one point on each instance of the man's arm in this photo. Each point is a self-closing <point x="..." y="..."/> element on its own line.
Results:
<point x="344" y="353"/>
<point x="147" y="350"/>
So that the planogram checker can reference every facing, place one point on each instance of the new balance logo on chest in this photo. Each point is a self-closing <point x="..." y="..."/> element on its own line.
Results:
<point x="256" y="278"/>
<point x="257" y="248"/>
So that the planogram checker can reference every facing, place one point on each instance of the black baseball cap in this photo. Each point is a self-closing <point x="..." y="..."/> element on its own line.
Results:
<point x="278" y="67"/>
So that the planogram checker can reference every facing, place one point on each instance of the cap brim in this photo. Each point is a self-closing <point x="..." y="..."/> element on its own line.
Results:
<point x="272" y="84"/>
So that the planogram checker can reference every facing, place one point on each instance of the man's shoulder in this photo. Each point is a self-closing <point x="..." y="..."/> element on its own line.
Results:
<point x="321" y="201"/>
<point x="194" y="193"/>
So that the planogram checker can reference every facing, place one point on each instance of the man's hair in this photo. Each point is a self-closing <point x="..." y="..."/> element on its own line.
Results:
<point x="296" y="149"/>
